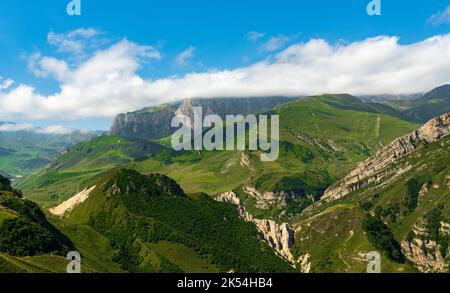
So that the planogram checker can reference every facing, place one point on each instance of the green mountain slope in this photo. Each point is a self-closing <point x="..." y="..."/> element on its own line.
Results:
<point x="432" y="104"/>
<point x="134" y="223"/>
<point x="25" y="232"/>
<point x="416" y="107"/>
<point x="154" y="227"/>
<point x="146" y="223"/>
<point x="407" y="211"/>
<point x="321" y="139"/>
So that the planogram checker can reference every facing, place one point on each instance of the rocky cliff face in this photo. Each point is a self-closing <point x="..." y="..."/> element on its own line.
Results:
<point x="230" y="106"/>
<point x="154" y="123"/>
<point x="426" y="254"/>
<point x="376" y="168"/>
<point x="150" y="123"/>
<point x="279" y="236"/>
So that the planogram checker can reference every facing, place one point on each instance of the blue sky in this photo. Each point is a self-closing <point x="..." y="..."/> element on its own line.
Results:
<point x="213" y="34"/>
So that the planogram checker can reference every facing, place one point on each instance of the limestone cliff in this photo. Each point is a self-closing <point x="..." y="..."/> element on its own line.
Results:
<point x="155" y="122"/>
<point x="376" y="168"/>
<point x="425" y="253"/>
<point x="279" y="236"/>
<point x="150" y="123"/>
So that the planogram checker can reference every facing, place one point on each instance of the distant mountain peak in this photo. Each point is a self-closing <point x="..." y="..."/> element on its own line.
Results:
<point x="442" y="91"/>
<point x="433" y="103"/>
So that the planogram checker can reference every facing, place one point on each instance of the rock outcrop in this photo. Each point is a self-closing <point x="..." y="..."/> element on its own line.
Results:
<point x="71" y="203"/>
<point x="245" y="161"/>
<point x="155" y="122"/>
<point x="279" y="236"/>
<point x="425" y="254"/>
<point x="229" y="197"/>
<point x="263" y="199"/>
<point x="304" y="262"/>
<point x="375" y="168"/>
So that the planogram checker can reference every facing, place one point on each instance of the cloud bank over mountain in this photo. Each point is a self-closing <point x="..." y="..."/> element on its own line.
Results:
<point x="51" y="129"/>
<point x="109" y="82"/>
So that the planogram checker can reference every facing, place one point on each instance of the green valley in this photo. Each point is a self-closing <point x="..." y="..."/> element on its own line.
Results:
<point x="24" y="152"/>
<point x="149" y="208"/>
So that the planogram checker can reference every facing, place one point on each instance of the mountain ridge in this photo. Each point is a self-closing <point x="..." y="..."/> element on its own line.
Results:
<point x="366" y="172"/>
<point x="275" y="206"/>
<point x="155" y="122"/>
<point x="431" y="104"/>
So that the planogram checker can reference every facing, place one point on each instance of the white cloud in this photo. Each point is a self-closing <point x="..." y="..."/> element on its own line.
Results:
<point x="73" y="41"/>
<point x="102" y="85"/>
<point x="275" y="43"/>
<point x="254" y="36"/>
<point x="42" y="66"/>
<point x="5" y="83"/>
<point x="83" y="33"/>
<point x="51" y="129"/>
<point x="442" y="17"/>
<point x="183" y="58"/>
<point x="54" y="129"/>
<point x="12" y="127"/>
<point x="108" y="82"/>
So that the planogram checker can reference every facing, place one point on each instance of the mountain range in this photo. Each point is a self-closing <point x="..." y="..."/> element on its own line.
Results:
<point x="418" y="107"/>
<point x="23" y="152"/>
<point x="353" y="176"/>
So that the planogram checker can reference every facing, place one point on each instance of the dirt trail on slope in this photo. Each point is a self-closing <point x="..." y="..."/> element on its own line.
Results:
<point x="377" y="130"/>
